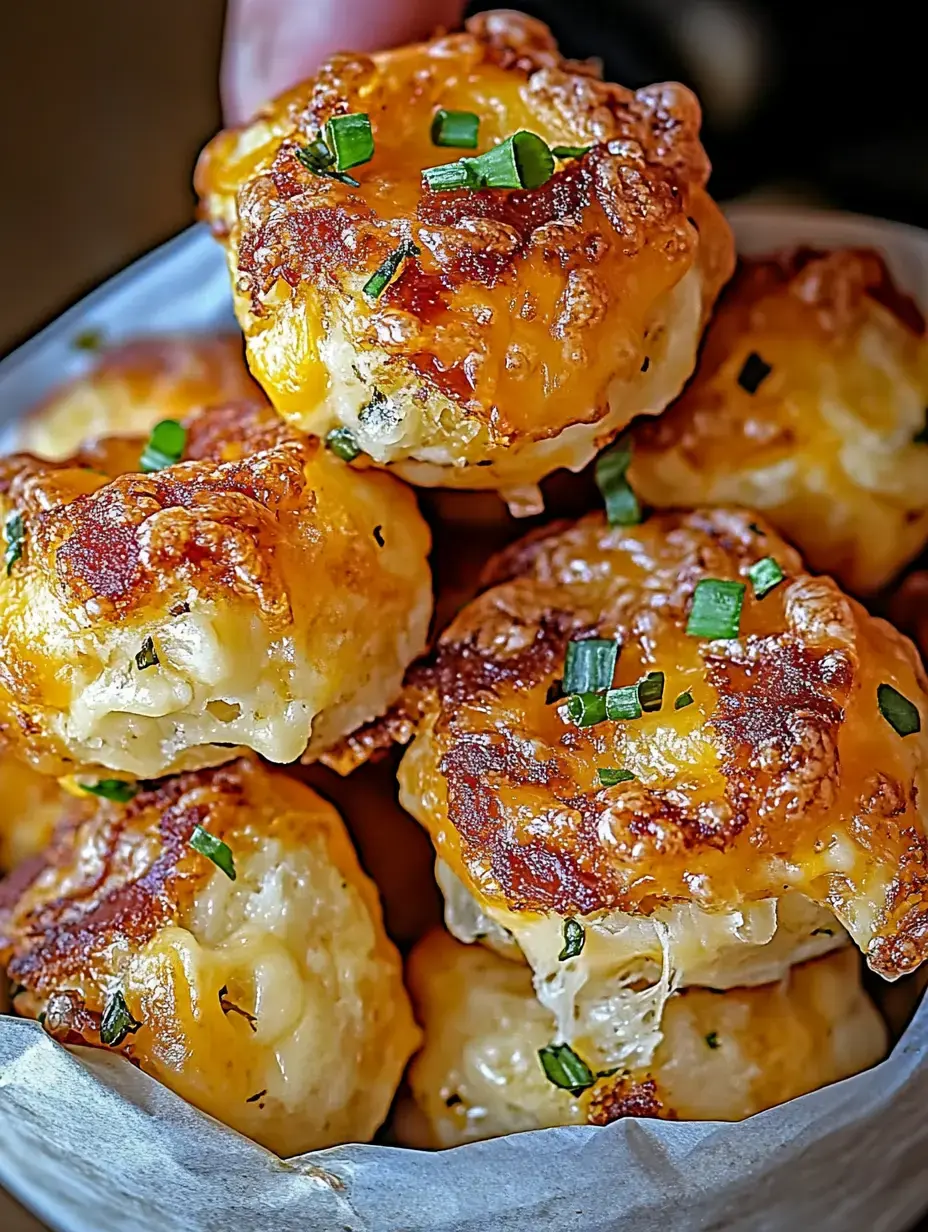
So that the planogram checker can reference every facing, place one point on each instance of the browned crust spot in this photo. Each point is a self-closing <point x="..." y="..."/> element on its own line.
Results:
<point x="624" y="1096"/>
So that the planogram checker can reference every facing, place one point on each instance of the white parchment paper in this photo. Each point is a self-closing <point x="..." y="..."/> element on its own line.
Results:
<point x="91" y="1144"/>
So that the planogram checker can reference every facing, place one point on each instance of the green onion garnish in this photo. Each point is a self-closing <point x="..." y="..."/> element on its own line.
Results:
<point x="585" y="709"/>
<point x="455" y="128"/>
<point x="590" y="665"/>
<point x="570" y="151"/>
<point x="342" y="443"/>
<point x="214" y="849"/>
<point x="117" y="1022"/>
<point x="651" y="691"/>
<point x="521" y="161"/>
<point x="147" y="656"/>
<point x="565" y="1069"/>
<point x="683" y="700"/>
<point x="14" y="529"/>
<point x="319" y="159"/>
<point x="610" y="778"/>
<point x="753" y="373"/>
<point x="898" y="711"/>
<point x="623" y="703"/>
<point x="716" y="610"/>
<point x="574" y="940"/>
<point x="712" y="1039"/>
<point x="765" y="575"/>
<point x="377" y="283"/>
<point x="622" y="507"/>
<point x="165" y="446"/>
<point x="350" y="139"/>
<point x="88" y="340"/>
<point x="112" y="789"/>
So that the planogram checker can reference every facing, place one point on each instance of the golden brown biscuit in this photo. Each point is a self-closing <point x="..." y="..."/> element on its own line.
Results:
<point x="259" y="594"/>
<point x="768" y="804"/>
<point x="809" y="404"/>
<point x="273" y="1001"/>
<point x="135" y="385"/>
<point x="529" y="325"/>
<point x="723" y="1056"/>
<point x="29" y="813"/>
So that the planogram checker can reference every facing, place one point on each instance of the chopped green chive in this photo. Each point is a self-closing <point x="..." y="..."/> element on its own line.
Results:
<point x="319" y="159"/>
<point x="117" y="1022"/>
<point x="589" y="664"/>
<point x="165" y="446"/>
<point x="378" y="535"/>
<point x="585" y="709"/>
<point x="342" y="443"/>
<point x="88" y="340"/>
<point x="623" y="703"/>
<point x="622" y="507"/>
<point x="755" y="528"/>
<point x="570" y="151"/>
<point x="455" y="128"/>
<point x="712" y="1039"/>
<point x="112" y="789"/>
<point x="765" y="575"/>
<point x="350" y="139"/>
<point x="610" y="778"/>
<point x="521" y="161"/>
<point x="651" y="691"/>
<point x="716" y="610"/>
<point x="147" y="656"/>
<point x="214" y="849"/>
<point x="574" y="940"/>
<point x="753" y="373"/>
<point x="378" y="281"/>
<point x="565" y="1069"/>
<point x="898" y="711"/>
<point x="14" y="529"/>
<point x="921" y="436"/>
<point x="683" y="700"/>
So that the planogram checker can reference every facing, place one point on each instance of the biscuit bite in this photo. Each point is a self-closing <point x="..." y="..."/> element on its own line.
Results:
<point x="669" y="742"/>
<point x="255" y="592"/>
<point x="30" y="812"/>
<point x="134" y="385"/>
<point x="809" y="404"/>
<point x="723" y="1056"/>
<point x="477" y="336"/>
<point x="217" y="930"/>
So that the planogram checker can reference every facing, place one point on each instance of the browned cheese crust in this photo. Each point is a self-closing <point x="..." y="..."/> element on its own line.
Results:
<point x="525" y="311"/>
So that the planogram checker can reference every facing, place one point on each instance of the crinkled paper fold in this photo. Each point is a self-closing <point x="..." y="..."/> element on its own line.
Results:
<point x="92" y="1145"/>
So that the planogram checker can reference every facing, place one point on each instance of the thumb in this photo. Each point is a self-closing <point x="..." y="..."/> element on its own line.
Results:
<point x="272" y="44"/>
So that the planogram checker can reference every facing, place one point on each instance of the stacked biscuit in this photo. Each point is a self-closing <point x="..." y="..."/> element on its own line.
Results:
<point x="675" y="777"/>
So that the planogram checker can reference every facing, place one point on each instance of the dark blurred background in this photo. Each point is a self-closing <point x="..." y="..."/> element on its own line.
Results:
<point x="106" y="104"/>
